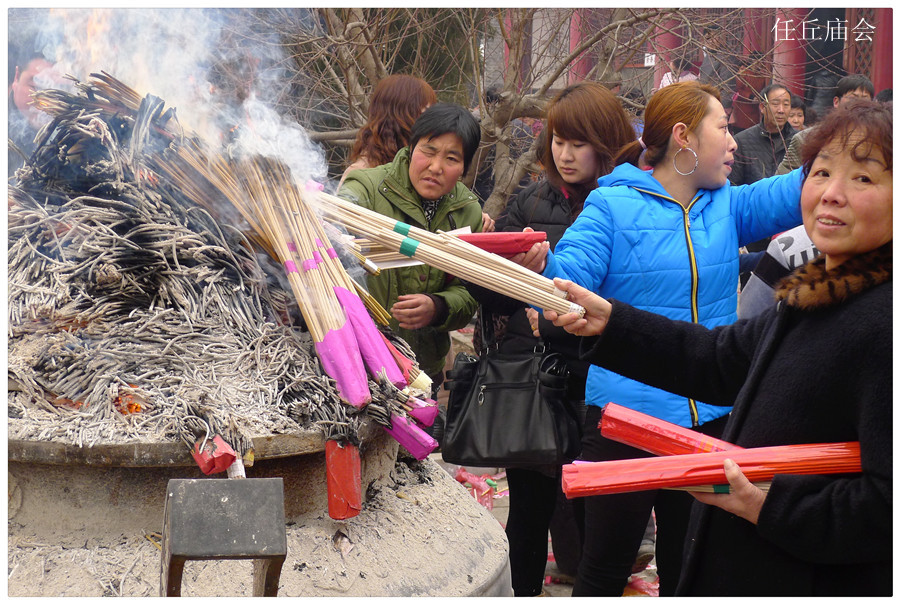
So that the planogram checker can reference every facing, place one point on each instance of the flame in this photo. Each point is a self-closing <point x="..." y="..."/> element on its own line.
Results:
<point x="86" y="43"/>
<point x="96" y="31"/>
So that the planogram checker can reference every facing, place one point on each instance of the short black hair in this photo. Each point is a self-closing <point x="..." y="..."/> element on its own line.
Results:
<point x="442" y="118"/>
<point x="764" y="93"/>
<point x="885" y="96"/>
<point x="797" y="102"/>
<point x="851" y="82"/>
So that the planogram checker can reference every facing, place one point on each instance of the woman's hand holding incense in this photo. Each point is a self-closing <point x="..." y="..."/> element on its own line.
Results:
<point x="413" y="311"/>
<point x="532" y="315"/>
<point x="745" y="499"/>
<point x="596" y="310"/>
<point x="535" y="259"/>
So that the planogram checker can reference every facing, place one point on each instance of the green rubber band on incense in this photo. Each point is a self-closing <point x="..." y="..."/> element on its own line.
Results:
<point x="721" y="488"/>
<point x="408" y="246"/>
<point x="402" y="228"/>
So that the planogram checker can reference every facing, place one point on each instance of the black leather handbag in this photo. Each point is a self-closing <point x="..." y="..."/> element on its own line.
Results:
<point x="508" y="410"/>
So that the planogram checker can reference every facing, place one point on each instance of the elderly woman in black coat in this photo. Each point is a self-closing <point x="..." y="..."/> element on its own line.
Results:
<point x="816" y="368"/>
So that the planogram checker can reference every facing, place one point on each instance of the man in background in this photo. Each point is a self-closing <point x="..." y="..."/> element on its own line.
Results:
<point x="762" y="147"/>
<point x="854" y="86"/>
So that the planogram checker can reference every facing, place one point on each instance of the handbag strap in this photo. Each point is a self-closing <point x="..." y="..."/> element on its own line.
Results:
<point x="488" y="340"/>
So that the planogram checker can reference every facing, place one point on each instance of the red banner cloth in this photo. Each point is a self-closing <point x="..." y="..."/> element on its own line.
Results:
<point x="653" y="435"/>
<point x="758" y="464"/>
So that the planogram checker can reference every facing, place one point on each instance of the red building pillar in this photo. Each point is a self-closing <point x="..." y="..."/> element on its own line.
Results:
<point x="789" y="50"/>
<point x="583" y="64"/>
<point x="883" y="49"/>
<point x="664" y="42"/>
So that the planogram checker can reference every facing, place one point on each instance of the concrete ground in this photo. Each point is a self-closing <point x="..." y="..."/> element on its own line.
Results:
<point x="644" y="583"/>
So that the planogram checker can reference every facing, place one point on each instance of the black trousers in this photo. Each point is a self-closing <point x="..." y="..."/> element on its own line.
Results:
<point x="614" y="525"/>
<point x="536" y="506"/>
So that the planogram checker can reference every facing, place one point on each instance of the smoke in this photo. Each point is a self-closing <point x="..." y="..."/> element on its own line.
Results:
<point x="222" y="69"/>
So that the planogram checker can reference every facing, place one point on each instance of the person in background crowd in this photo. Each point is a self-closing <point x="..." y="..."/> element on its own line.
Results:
<point x="586" y="125"/>
<point x="396" y="103"/>
<point x="797" y="116"/>
<point x="761" y="147"/>
<point x="854" y="86"/>
<point x="422" y="187"/>
<point x="814" y="369"/>
<point x="681" y="72"/>
<point x="885" y="95"/>
<point x="665" y="240"/>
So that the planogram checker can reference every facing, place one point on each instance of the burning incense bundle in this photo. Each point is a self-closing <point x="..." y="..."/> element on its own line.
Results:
<point x="449" y="254"/>
<point x="264" y="194"/>
<point x="130" y="309"/>
<point x="654" y="435"/>
<point x="758" y="464"/>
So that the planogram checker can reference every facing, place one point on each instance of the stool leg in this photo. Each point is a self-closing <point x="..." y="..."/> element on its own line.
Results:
<point x="171" y="576"/>
<point x="266" y="576"/>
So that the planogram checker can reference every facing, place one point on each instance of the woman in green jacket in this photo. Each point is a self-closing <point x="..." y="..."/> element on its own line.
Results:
<point x="422" y="187"/>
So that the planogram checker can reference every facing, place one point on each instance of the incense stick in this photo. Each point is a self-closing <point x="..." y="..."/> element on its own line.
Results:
<point x="451" y="255"/>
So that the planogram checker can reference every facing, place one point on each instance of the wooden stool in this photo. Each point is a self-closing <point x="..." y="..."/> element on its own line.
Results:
<point x="224" y="519"/>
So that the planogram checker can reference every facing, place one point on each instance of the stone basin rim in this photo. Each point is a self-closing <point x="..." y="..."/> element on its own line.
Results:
<point x="158" y="454"/>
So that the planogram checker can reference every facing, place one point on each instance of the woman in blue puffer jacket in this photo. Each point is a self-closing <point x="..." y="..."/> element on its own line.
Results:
<point x="663" y="239"/>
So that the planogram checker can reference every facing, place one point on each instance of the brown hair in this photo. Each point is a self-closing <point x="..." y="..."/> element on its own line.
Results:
<point x="685" y="102"/>
<point x="874" y="121"/>
<point x="587" y="112"/>
<point x="395" y="104"/>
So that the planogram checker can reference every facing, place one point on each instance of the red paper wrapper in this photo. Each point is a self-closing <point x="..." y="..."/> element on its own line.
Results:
<point x="503" y="243"/>
<point x="216" y="456"/>
<point x="694" y="469"/>
<point x="344" y="479"/>
<point x="403" y="363"/>
<point x="656" y="436"/>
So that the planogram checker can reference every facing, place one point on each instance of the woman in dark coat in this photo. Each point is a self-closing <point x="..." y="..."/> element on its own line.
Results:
<point x="586" y="125"/>
<point x="814" y="369"/>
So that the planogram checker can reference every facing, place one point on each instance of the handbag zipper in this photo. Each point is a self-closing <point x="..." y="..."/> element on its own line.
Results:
<point x="500" y="385"/>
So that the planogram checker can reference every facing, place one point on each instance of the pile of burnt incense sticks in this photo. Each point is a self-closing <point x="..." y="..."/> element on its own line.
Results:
<point x="135" y="315"/>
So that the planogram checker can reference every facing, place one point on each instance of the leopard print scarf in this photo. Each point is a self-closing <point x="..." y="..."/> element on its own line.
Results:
<point x="812" y="287"/>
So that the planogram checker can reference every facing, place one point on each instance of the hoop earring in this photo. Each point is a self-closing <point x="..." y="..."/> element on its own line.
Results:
<point x="675" y="161"/>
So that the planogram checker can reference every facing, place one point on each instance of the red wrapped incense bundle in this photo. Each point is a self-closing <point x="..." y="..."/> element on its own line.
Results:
<point x="695" y="469"/>
<point x="213" y="455"/>
<point x="504" y="243"/>
<point x="343" y="473"/>
<point x="654" y="435"/>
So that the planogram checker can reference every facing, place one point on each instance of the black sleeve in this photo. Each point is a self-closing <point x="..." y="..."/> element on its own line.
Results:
<point x="677" y="356"/>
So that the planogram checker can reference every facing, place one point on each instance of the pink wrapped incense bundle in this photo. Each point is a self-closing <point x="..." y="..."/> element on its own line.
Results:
<point x="414" y="439"/>
<point x="424" y="412"/>
<point x="698" y="469"/>
<point x="654" y="435"/>
<point x="375" y="354"/>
